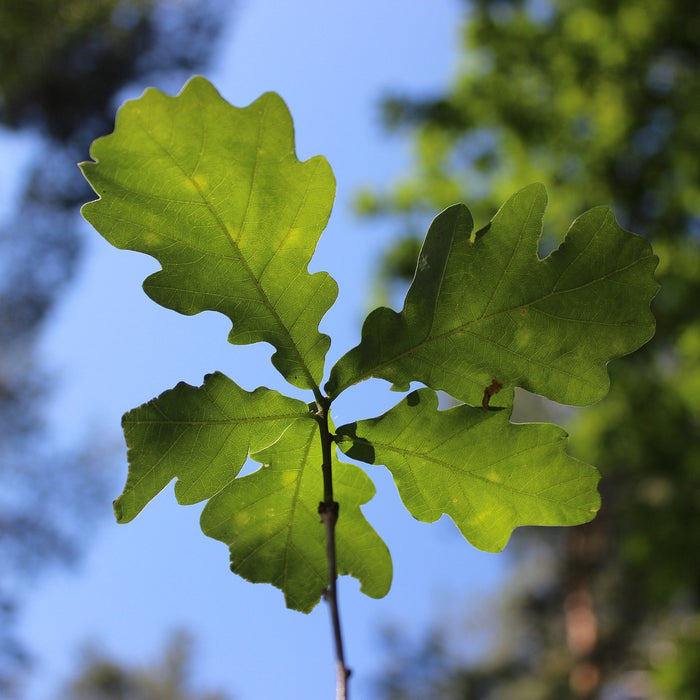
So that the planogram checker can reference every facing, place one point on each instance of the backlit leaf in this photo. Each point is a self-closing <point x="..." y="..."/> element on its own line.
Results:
<point x="488" y="474"/>
<point x="484" y="306"/>
<point x="216" y="194"/>
<point x="202" y="436"/>
<point x="271" y="523"/>
<point x="218" y="197"/>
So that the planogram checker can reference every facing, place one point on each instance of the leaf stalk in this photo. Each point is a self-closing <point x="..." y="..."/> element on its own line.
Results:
<point x="328" y="509"/>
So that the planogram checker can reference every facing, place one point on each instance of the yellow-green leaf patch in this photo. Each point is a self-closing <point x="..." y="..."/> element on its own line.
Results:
<point x="271" y="523"/>
<point x="488" y="474"/>
<point x="483" y="306"/>
<point x="216" y="194"/>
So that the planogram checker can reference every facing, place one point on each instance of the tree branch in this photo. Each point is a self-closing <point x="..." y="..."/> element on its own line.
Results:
<point x="328" y="510"/>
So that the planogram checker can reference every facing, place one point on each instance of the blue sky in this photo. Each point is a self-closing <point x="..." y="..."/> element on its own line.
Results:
<point x="113" y="349"/>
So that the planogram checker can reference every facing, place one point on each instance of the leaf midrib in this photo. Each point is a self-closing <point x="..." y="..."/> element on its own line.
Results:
<point x="454" y="468"/>
<point x="463" y="328"/>
<point x="223" y="421"/>
<point x="234" y="245"/>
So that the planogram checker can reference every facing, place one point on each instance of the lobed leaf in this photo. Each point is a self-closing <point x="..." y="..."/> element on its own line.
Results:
<point x="270" y="521"/>
<point x="218" y="197"/>
<point x="488" y="474"/>
<point x="200" y="435"/>
<point x="484" y="306"/>
<point x="216" y="194"/>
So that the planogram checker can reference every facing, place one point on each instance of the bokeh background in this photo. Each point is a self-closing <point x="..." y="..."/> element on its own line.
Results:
<point x="416" y="105"/>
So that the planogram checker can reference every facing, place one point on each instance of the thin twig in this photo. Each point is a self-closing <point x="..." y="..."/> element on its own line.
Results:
<point x="328" y="510"/>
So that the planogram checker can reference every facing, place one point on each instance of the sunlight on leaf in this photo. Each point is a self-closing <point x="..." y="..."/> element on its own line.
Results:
<point x="202" y="436"/>
<point x="216" y="194"/>
<point x="489" y="475"/>
<point x="483" y="306"/>
<point x="270" y="521"/>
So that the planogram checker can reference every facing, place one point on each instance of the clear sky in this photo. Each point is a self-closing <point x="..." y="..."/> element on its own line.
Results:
<point x="113" y="349"/>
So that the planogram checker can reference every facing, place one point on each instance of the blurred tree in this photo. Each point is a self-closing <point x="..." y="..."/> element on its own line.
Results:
<point x="103" y="678"/>
<point x="63" y="64"/>
<point x="601" y="102"/>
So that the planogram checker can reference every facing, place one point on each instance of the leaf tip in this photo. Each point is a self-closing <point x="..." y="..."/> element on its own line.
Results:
<point x="400" y="386"/>
<point x="535" y="191"/>
<point x="118" y="508"/>
<point x="537" y="188"/>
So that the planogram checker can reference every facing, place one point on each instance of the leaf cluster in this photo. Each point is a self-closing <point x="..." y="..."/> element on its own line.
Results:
<point x="216" y="194"/>
<point x="601" y="102"/>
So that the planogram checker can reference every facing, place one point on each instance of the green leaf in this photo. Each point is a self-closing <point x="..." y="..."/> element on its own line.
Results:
<point x="271" y="523"/>
<point x="483" y="306"/>
<point x="488" y="474"/>
<point x="203" y="435"/>
<point x="218" y="197"/>
<point x="200" y="435"/>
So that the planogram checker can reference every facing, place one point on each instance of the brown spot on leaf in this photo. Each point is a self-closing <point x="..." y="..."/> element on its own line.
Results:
<point x="489" y="391"/>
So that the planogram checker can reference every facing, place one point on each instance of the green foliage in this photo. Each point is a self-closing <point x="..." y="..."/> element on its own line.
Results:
<point x="475" y="466"/>
<point x="62" y="65"/>
<point x="270" y="514"/>
<point x="216" y="194"/>
<point x="601" y="102"/>
<point x="548" y="326"/>
<point x="220" y="200"/>
<point x="219" y="422"/>
<point x="270" y="521"/>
